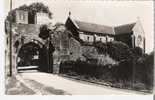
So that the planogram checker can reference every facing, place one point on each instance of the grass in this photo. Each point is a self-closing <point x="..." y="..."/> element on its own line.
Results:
<point x="109" y="82"/>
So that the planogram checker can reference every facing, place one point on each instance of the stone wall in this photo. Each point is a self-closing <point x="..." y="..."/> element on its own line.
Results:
<point x="21" y="34"/>
<point x="42" y="18"/>
<point x="25" y="32"/>
<point x="74" y="49"/>
<point x="68" y="48"/>
<point x="78" y="51"/>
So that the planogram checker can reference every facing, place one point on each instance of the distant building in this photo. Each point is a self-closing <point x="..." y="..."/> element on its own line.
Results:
<point x="42" y="18"/>
<point x="131" y="34"/>
<point x="23" y="17"/>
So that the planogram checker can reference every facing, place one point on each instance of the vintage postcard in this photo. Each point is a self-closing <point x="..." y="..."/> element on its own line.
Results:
<point x="75" y="47"/>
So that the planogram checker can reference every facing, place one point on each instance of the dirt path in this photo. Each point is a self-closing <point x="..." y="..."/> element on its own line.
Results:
<point x="55" y="84"/>
<point x="14" y="87"/>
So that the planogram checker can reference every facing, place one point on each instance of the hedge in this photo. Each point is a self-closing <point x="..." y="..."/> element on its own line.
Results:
<point x="131" y="67"/>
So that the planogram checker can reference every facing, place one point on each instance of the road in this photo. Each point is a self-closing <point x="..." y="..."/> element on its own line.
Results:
<point x="45" y="83"/>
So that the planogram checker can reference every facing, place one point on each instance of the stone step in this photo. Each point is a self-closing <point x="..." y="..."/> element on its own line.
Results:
<point x="27" y="67"/>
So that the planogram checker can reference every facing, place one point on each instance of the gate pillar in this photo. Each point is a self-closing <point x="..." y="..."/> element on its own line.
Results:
<point x="56" y="62"/>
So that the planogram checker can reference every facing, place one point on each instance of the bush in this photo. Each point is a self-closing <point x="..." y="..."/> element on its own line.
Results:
<point x="67" y="66"/>
<point x="131" y="66"/>
<point x="117" y="50"/>
<point x="149" y="64"/>
<point x="123" y="71"/>
<point x="105" y="60"/>
<point x="101" y="47"/>
<point x="103" y="66"/>
<point x="143" y="69"/>
<point x="83" y="67"/>
<point x="137" y="51"/>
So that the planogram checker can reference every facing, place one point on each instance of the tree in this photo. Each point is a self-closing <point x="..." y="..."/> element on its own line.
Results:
<point x="44" y="32"/>
<point x="101" y="47"/>
<point x="32" y="10"/>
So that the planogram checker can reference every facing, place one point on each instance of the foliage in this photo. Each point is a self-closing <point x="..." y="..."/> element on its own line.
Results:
<point x="44" y="32"/>
<point x="39" y="7"/>
<point x="144" y="70"/>
<point x="83" y="67"/>
<point x="137" y="51"/>
<point x="32" y="9"/>
<point x="132" y="68"/>
<point x="117" y="50"/>
<point x="149" y="63"/>
<point x="106" y="60"/>
<point x="90" y="54"/>
<point x="101" y="47"/>
<point x="66" y="66"/>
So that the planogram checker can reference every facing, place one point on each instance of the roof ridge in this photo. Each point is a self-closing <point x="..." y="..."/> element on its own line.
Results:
<point x="74" y="22"/>
<point x="92" y="23"/>
<point x="92" y="27"/>
<point x="125" y="24"/>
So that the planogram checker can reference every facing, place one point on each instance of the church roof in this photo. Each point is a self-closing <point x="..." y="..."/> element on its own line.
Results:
<point x="124" y="29"/>
<point x="103" y="29"/>
<point x="94" y="28"/>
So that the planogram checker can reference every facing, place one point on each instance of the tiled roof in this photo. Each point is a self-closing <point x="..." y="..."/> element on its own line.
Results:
<point x="103" y="29"/>
<point x="124" y="29"/>
<point x="94" y="28"/>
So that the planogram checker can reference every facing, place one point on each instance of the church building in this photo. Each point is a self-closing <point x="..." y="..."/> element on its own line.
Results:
<point x="132" y="34"/>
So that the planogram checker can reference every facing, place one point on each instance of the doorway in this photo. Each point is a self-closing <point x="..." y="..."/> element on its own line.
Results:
<point x="32" y="56"/>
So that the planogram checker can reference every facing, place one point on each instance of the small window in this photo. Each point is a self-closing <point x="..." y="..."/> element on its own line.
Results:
<point x="88" y="38"/>
<point x="21" y="16"/>
<point x="100" y="39"/>
<point x="111" y="39"/>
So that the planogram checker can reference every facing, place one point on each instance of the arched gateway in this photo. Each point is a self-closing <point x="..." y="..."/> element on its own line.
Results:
<point x="33" y="55"/>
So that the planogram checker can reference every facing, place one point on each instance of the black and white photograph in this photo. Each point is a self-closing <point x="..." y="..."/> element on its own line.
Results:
<point x="75" y="47"/>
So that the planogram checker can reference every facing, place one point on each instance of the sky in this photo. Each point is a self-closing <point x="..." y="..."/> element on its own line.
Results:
<point x="110" y="13"/>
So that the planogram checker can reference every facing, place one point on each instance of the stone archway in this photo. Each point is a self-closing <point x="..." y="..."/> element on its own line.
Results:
<point x="34" y="55"/>
<point x="28" y="56"/>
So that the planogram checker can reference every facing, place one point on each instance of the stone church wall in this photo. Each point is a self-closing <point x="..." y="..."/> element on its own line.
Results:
<point x="139" y="35"/>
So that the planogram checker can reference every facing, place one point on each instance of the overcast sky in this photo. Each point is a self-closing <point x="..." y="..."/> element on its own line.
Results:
<point x="111" y="13"/>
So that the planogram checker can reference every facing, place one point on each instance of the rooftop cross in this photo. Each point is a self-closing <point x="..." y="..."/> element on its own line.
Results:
<point x="69" y="13"/>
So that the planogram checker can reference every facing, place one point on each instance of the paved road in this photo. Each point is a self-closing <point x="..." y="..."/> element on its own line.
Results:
<point x="67" y="86"/>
